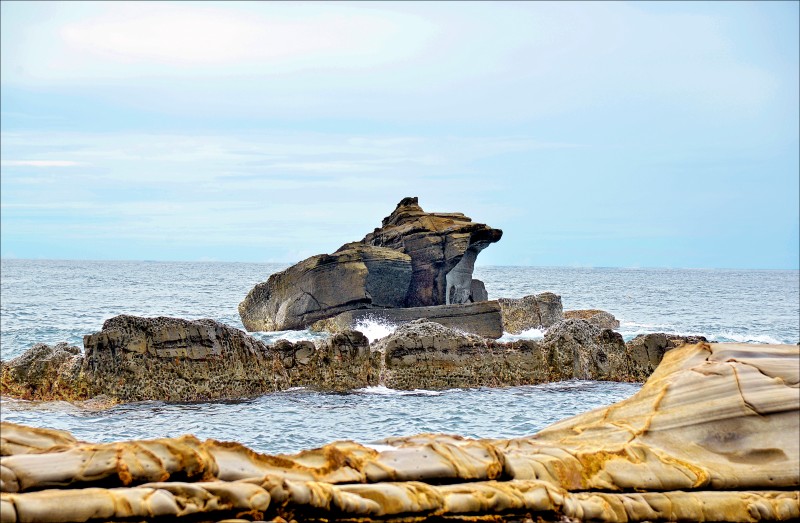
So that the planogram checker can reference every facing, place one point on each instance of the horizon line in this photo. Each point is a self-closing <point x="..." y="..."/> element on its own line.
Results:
<point x="572" y="266"/>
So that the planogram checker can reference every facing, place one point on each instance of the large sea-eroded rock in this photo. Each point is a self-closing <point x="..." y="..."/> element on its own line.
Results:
<point x="415" y="259"/>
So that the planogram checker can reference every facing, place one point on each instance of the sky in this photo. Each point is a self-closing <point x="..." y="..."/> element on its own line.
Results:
<point x="594" y="134"/>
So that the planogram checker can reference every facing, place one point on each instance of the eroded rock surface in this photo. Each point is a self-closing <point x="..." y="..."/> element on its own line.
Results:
<point x="603" y="319"/>
<point x="172" y="359"/>
<point x="482" y="318"/>
<point x="416" y="259"/>
<point x="443" y="248"/>
<point x="714" y="435"/>
<point x="356" y="276"/>
<point x="535" y="311"/>
<point x="427" y="355"/>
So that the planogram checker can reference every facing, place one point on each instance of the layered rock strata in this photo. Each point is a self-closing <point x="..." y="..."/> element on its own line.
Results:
<point x="171" y="359"/>
<point x="415" y="259"/>
<point x="483" y="318"/>
<point x="535" y="311"/>
<point x="443" y="248"/>
<point x="356" y="276"/>
<point x="714" y="435"/>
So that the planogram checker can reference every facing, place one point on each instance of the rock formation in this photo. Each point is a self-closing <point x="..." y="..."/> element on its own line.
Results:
<point x="714" y="435"/>
<point x="443" y="248"/>
<point x="531" y="312"/>
<point x="603" y="319"/>
<point x="356" y="276"/>
<point x="416" y="259"/>
<point x="171" y="359"/>
<point x="482" y="318"/>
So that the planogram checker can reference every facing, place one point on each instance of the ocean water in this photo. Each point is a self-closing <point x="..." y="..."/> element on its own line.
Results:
<point x="51" y="301"/>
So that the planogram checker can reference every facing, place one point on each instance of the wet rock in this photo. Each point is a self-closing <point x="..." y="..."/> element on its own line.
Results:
<point x="578" y="349"/>
<point x="603" y="319"/>
<point x="427" y="355"/>
<point x="531" y="312"/>
<point x="647" y="350"/>
<point x="45" y="372"/>
<point x="483" y="318"/>
<point x="356" y="276"/>
<point x="714" y="435"/>
<point x="172" y="359"/>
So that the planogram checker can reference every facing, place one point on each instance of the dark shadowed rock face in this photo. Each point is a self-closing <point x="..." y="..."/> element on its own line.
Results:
<point x="356" y="276"/>
<point x="531" y="312"/>
<point x="443" y="248"/>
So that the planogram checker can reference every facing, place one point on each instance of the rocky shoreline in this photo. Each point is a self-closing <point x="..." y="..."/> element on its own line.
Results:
<point x="711" y="436"/>
<point x="172" y="359"/>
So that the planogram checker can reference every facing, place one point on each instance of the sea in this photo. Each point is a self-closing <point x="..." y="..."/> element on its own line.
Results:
<point x="50" y="301"/>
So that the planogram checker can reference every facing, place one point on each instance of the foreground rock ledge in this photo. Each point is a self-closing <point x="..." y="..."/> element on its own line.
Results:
<point x="713" y="435"/>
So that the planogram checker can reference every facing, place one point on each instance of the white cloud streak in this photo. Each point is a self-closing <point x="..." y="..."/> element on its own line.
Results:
<point x="39" y="163"/>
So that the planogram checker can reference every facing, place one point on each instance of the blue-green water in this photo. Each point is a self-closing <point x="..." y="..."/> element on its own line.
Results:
<point x="50" y="301"/>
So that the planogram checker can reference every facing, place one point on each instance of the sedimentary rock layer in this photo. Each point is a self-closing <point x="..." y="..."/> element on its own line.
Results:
<point x="443" y="248"/>
<point x="483" y="318"/>
<point x="712" y="436"/>
<point x="416" y="259"/>
<point x="171" y="359"/>
<point x="356" y="276"/>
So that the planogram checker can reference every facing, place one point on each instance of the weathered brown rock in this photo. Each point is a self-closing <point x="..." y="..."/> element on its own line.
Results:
<point x="45" y="372"/>
<point x="443" y="248"/>
<point x="356" y="276"/>
<point x="415" y="259"/>
<point x="531" y="312"/>
<point x="712" y="436"/>
<point x="482" y="318"/>
<point x="427" y="355"/>
<point x="603" y="319"/>
<point x="581" y="350"/>
<point x="647" y="350"/>
<point x="172" y="359"/>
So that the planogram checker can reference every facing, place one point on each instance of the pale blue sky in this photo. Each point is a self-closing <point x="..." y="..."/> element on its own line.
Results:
<point x="594" y="134"/>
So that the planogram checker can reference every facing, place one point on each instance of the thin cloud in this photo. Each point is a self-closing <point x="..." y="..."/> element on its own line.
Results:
<point x="39" y="163"/>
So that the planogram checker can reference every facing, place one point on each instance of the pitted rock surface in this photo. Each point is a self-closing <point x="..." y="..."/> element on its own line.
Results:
<point x="603" y="319"/>
<point x="713" y="435"/>
<point x="535" y="311"/>
<point x="172" y="359"/>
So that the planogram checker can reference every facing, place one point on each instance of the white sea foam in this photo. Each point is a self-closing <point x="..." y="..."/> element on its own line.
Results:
<point x="722" y="337"/>
<point x="382" y="390"/>
<point x="530" y="334"/>
<point x="374" y="328"/>
<point x="744" y="338"/>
